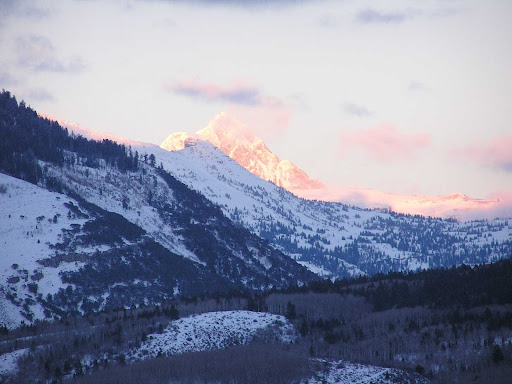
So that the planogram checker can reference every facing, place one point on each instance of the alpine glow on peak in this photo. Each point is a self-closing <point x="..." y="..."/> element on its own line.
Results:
<point x="237" y="141"/>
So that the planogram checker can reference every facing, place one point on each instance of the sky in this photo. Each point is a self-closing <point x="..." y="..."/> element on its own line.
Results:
<point x="401" y="96"/>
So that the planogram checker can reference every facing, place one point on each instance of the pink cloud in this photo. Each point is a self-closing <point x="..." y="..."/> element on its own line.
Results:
<point x="494" y="153"/>
<point x="235" y="94"/>
<point x="385" y="142"/>
<point x="458" y="205"/>
<point x="266" y="115"/>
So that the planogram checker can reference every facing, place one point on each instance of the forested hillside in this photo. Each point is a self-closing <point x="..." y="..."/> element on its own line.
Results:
<point x="101" y="226"/>
<point x="344" y="330"/>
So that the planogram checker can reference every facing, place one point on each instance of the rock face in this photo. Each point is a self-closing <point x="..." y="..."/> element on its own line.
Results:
<point x="236" y="141"/>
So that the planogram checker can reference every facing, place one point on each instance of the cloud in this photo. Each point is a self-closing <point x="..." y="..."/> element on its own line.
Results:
<point x="452" y="205"/>
<point x="356" y="110"/>
<point x="236" y="94"/>
<point x="252" y="4"/>
<point x="415" y="86"/>
<point x="496" y="153"/>
<point x="38" y="53"/>
<point x="21" y="9"/>
<point x="385" y="143"/>
<point x="41" y="95"/>
<point x="371" y="16"/>
<point x="268" y="115"/>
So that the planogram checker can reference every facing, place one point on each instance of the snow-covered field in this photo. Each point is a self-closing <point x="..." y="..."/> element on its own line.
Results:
<point x="215" y="330"/>
<point x="9" y="362"/>
<point x="344" y="372"/>
<point x="32" y="219"/>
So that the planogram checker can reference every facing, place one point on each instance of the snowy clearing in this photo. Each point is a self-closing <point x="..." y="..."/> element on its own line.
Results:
<point x="343" y="372"/>
<point x="215" y="330"/>
<point x="9" y="362"/>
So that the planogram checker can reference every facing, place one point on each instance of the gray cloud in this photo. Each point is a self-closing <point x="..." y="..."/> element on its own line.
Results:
<point x="38" y="53"/>
<point x="21" y="9"/>
<point x="243" y="3"/>
<point x="370" y="16"/>
<point x="241" y="94"/>
<point x="415" y="86"/>
<point x="356" y="110"/>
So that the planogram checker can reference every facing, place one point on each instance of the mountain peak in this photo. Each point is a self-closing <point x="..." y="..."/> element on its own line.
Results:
<point x="225" y="128"/>
<point x="236" y="140"/>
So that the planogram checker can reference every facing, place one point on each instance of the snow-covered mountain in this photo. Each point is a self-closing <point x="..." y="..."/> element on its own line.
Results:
<point x="333" y="239"/>
<point x="329" y="238"/>
<point x="196" y="222"/>
<point x="236" y="141"/>
<point x="94" y="226"/>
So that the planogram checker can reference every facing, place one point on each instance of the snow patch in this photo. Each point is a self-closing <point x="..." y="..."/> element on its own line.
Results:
<point x="215" y="330"/>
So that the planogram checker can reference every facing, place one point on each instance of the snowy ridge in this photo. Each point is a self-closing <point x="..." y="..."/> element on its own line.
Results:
<point x="129" y="195"/>
<point x="107" y="188"/>
<point x="214" y="330"/>
<point x="236" y="141"/>
<point x="337" y="238"/>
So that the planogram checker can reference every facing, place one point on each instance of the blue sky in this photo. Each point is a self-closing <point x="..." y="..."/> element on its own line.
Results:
<point x="399" y="96"/>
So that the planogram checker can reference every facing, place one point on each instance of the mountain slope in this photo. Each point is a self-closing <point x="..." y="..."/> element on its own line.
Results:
<point x="132" y="234"/>
<point x="63" y="254"/>
<point x="331" y="238"/>
<point x="236" y="141"/>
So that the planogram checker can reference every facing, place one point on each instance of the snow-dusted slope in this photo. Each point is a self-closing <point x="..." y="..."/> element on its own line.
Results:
<point x="333" y="237"/>
<point x="235" y="140"/>
<point x="215" y="330"/>
<point x="9" y="362"/>
<point x="344" y="372"/>
<point x="183" y="222"/>
<point x="220" y="330"/>
<point x="47" y="240"/>
<point x="125" y="238"/>
<point x="32" y="222"/>
<point x="121" y="231"/>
